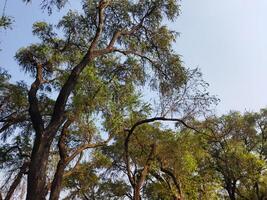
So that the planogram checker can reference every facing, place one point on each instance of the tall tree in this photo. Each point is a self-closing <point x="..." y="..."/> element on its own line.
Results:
<point x="94" y="71"/>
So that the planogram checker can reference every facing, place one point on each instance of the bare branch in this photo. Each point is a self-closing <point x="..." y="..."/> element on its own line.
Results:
<point x="149" y="120"/>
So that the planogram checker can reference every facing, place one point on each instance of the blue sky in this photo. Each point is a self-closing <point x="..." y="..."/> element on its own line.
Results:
<point x="226" y="39"/>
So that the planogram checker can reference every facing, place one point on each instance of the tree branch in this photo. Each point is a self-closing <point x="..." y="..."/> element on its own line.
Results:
<point x="11" y="120"/>
<point x="101" y="8"/>
<point x="34" y="111"/>
<point x="176" y="183"/>
<point x="130" y="132"/>
<point x="72" y="80"/>
<point x="118" y="34"/>
<point x="147" y="166"/>
<point x="149" y="120"/>
<point x="62" y="139"/>
<point x="80" y="149"/>
<point x="17" y="180"/>
<point x="69" y="172"/>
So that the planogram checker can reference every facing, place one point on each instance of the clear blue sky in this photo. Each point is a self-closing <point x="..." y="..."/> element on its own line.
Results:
<point x="226" y="39"/>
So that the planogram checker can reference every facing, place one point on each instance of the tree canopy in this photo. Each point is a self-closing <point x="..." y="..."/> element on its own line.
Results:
<point x="85" y="127"/>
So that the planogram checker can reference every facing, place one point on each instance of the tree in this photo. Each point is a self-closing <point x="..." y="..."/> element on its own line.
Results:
<point x="233" y="144"/>
<point x="142" y="155"/>
<point x="94" y="71"/>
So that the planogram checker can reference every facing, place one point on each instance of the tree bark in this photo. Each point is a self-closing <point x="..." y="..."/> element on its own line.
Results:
<point x="231" y="195"/>
<point x="137" y="191"/>
<point x="57" y="182"/>
<point x="141" y="179"/>
<point x="230" y="187"/>
<point x="36" y="187"/>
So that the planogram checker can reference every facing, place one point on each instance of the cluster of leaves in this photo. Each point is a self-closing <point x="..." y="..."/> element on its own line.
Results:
<point x="49" y="5"/>
<point x="5" y="22"/>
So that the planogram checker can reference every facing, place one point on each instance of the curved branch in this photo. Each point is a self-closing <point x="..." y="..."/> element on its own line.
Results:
<point x="149" y="120"/>
<point x="176" y="183"/>
<point x="131" y="131"/>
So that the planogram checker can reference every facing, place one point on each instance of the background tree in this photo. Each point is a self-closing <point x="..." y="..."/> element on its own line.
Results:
<point x="233" y="144"/>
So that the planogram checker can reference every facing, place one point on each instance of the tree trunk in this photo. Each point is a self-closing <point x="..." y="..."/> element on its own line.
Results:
<point x="232" y="195"/>
<point x="36" y="187"/>
<point x="57" y="181"/>
<point x="137" y="195"/>
<point x="231" y="192"/>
